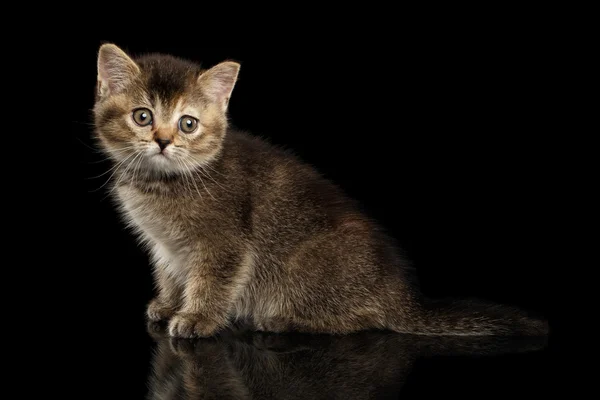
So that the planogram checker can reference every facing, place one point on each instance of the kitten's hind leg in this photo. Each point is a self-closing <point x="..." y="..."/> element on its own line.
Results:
<point x="339" y="282"/>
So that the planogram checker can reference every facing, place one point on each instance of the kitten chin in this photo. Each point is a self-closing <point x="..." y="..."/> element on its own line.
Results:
<point x="238" y="229"/>
<point x="162" y="163"/>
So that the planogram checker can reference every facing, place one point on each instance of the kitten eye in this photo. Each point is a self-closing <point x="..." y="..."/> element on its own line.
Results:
<point x="188" y="124"/>
<point x="142" y="116"/>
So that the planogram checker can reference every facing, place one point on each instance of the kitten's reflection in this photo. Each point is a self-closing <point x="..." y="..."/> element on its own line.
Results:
<point x="367" y="365"/>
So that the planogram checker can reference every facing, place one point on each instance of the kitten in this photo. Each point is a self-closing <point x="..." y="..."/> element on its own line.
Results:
<point x="240" y="230"/>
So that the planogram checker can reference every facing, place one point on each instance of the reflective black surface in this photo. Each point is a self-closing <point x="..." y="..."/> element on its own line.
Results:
<point x="368" y="365"/>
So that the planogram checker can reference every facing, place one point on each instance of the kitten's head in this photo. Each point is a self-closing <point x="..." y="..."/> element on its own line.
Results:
<point x="159" y="113"/>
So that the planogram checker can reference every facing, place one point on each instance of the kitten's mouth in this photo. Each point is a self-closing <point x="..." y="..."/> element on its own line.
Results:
<point x="161" y="158"/>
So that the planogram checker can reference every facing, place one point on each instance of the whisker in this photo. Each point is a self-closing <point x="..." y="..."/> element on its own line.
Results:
<point x="193" y="170"/>
<point x="133" y="179"/>
<point x="187" y="169"/>
<point x="179" y="161"/>
<point x="100" y="161"/>
<point x="86" y="145"/>
<point x="115" y="168"/>
<point x="187" y="182"/>
<point x="102" y="151"/>
<point x="117" y="151"/>
<point x="123" y="174"/>
<point x="122" y="149"/>
<point x="201" y="180"/>
<point x="109" y="158"/>
<point x="91" y="124"/>
<point x="214" y="170"/>
<point x="202" y="170"/>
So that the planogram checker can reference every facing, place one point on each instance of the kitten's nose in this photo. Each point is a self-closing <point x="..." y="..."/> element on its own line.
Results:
<point x="162" y="143"/>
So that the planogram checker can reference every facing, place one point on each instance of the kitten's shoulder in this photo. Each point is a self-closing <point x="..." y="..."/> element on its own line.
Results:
<point x="252" y="148"/>
<point x="243" y="139"/>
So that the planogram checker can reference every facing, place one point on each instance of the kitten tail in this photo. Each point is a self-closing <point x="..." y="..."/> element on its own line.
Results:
<point x="477" y="318"/>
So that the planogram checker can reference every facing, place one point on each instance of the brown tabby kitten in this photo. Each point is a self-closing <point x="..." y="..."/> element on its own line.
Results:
<point x="241" y="230"/>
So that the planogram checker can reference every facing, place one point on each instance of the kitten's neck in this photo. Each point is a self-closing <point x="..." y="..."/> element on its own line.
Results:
<point x="148" y="181"/>
<point x="168" y="182"/>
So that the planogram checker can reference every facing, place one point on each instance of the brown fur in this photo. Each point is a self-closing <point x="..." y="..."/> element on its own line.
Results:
<point x="239" y="229"/>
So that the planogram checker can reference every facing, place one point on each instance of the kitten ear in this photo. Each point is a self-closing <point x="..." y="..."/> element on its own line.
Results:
<point x="218" y="82"/>
<point x="115" y="69"/>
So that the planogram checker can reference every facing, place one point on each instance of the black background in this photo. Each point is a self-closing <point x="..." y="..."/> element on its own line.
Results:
<point x="440" y="133"/>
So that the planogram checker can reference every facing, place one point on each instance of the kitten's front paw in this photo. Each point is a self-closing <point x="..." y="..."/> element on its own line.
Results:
<point x="157" y="311"/>
<point x="184" y="325"/>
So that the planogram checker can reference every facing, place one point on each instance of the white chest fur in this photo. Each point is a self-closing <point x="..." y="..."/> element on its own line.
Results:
<point x="157" y="228"/>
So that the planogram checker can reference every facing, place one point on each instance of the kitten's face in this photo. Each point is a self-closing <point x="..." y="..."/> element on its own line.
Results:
<point x="160" y="114"/>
